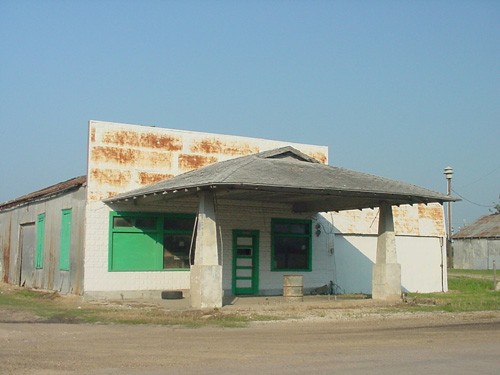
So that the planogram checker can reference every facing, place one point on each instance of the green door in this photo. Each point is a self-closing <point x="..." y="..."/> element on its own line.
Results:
<point x="245" y="262"/>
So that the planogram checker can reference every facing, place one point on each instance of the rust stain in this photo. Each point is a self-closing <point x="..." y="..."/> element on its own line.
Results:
<point x="125" y="156"/>
<point x="404" y="222"/>
<point x="6" y="254"/>
<point x="92" y="134"/>
<point x="50" y="276"/>
<point x="98" y="196"/>
<point x="319" y="156"/>
<point x="214" y="146"/>
<point x="150" y="178"/>
<point x="110" y="176"/>
<point x="432" y="212"/>
<point x="190" y="162"/>
<point x="146" y="140"/>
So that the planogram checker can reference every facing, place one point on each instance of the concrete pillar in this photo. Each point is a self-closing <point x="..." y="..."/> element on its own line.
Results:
<point x="206" y="273"/>
<point x="386" y="282"/>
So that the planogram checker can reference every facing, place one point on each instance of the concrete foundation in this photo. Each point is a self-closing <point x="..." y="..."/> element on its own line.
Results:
<point x="206" y="287"/>
<point x="386" y="284"/>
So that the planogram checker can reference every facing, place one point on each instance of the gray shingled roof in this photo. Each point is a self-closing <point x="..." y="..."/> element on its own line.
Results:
<point x="286" y="175"/>
<point x="485" y="227"/>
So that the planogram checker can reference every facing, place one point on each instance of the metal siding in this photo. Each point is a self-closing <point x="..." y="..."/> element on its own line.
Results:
<point x="27" y="250"/>
<point x="476" y="253"/>
<point x="48" y="277"/>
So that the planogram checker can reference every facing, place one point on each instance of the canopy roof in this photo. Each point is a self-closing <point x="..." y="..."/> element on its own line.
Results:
<point x="286" y="175"/>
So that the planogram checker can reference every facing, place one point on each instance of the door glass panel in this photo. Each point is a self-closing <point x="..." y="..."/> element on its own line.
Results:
<point x="244" y="262"/>
<point x="244" y="241"/>
<point x="243" y="272"/>
<point x="245" y="251"/>
<point x="243" y="283"/>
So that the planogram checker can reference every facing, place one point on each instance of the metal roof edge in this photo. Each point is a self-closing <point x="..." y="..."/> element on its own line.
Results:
<point x="45" y="193"/>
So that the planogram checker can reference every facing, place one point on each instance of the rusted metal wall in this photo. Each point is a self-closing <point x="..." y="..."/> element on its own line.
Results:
<point x="18" y="233"/>
<point x="123" y="157"/>
<point x="476" y="253"/>
<point x="4" y="247"/>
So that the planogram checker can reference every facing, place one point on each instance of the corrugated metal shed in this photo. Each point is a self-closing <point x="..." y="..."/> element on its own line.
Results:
<point x="287" y="175"/>
<point x="45" y="193"/>
<point x="485" y="227"/>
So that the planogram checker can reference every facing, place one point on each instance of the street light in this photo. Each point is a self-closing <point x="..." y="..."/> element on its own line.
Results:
<point x="448" y="172"/>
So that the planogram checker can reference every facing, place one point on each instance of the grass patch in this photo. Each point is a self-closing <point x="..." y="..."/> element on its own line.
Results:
<point x="467" y="292"/>
<point x="51" y="307"/>
<point x="472" y="273"/>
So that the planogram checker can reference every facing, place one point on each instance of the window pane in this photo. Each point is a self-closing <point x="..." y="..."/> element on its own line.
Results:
<point x="122" y="222"/>
<point x="145" y="222"/>
<point x="299" y="228"/>
<point x="244" y="251"/>
<point x="179" y="224"/>
<point x="176" y="251"/>
<point x="281" y="228"/>
<point x="291" y="252"/>
<point x="244" y="241"/>
<point x="295" y="228"/>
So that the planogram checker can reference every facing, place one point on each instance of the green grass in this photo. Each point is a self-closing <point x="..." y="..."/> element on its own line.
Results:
<point x="50" y="307"/>
<point x="469" y="290"/>
<point x="471" y="273"/>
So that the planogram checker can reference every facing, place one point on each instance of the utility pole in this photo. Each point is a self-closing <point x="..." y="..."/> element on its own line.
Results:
<point x="448" y="172"/>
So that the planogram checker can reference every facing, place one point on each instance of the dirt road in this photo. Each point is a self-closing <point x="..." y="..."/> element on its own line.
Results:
<point x="460" y="344"/>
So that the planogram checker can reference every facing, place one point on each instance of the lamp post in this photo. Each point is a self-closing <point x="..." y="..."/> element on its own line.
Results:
<point x="448" y="172"/>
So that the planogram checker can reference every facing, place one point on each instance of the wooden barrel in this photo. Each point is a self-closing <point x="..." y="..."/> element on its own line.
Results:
<point x="293" y="287"/>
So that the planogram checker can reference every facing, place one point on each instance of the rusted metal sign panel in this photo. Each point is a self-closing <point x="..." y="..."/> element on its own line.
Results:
<point x="123" y="157"/>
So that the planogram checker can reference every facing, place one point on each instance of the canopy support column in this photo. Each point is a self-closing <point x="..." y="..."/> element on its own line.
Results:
<point x="206" y="273"/>
<point x="386" y="282"/>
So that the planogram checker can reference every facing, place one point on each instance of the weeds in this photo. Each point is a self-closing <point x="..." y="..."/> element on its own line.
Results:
<point x="468" y="291"/>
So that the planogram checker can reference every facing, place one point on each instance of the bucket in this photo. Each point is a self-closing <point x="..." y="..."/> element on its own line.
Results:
<point x="293" y="288"/>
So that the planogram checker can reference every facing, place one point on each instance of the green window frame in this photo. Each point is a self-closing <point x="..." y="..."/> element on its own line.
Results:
<point x="40" y="241"/>
<point x="291" y="245"/>
<point x="150" y="241"/>
<point x="65" y="244"/>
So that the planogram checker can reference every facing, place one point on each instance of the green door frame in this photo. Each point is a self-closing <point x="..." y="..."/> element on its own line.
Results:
<point x="246" y="257"/>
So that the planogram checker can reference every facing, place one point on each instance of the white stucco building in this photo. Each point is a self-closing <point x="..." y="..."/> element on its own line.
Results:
<point x="219" y="215"/>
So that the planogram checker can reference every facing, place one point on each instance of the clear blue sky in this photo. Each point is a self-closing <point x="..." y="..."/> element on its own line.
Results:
<point x="399" y="89"/>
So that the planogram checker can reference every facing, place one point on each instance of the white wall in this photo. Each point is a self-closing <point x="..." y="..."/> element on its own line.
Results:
<point x="122" y="157"/>
<point x="420" y="259"/>
<point x="345" y="259"/>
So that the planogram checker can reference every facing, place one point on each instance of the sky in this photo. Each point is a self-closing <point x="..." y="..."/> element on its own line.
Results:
<point x="399" y="89"/>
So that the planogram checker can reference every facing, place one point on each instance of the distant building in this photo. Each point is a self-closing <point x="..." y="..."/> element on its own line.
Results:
<point x="477" y="245"/>
<point x="217" y="216"/>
